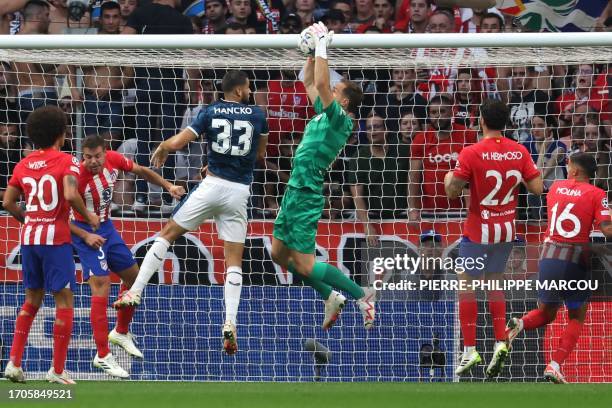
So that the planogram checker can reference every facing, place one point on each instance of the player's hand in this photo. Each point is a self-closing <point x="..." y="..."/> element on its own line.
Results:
<point x="371" y="235"/>
<point x="94" y="240"/>
<point x="94" y="221"/>
<point x="177" y="191"/>
<point x="414" y="215"/>
<point x="159" y="156"/>
<point x="320" y="33"/>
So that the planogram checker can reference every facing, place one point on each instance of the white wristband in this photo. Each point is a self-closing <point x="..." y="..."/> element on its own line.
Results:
<point x="321" y="49"/>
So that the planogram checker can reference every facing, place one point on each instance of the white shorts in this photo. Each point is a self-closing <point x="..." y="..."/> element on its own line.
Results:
<point x="218" y="199"/>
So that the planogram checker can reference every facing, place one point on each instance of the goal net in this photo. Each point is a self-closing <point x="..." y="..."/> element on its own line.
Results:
<point x="383" y="197"/>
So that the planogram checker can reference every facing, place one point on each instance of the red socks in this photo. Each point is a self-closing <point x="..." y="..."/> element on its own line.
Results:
<point x="124" y="315"/>
<point x="61" y="337"/>
<point x="568" y="341"/>
<point x="22" y="329"/>
<point x="497" y="308"/>
<point x="468" y="314"/>
<point x="99" y="324"/>
<point x="534" y="319"/>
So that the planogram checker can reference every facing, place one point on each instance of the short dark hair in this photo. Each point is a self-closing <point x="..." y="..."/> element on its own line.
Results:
<point x="32" y="8"/>
<point x="333" y="15"/>
<point x="233" y="79"/>
<point x="495" y="114"/>
<point x="233" y="26"/>
<point x="46" y="125"/>
<point x="334" y="2"/>
<point x="440" y="99"/>
<point x="586" y="162"/>
<point x="93" y="142"/>
<point x="493" y="15"/>
<point x="354" y="94"/>
<point x="109" y="5"/>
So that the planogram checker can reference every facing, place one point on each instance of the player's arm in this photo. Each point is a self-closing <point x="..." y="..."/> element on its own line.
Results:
<point x="72" y="195"/>
<point x="175" y="143"/>
<point x="10" y="6"/>
<point x="453" y="185"/>
<point x="362" y="213"/>
<point x="535" y="185"/>
<point x="309" y="72"/>
<point x="321" y="67"/>
<point x="261" y="148"/>
<point x="93" y="240"/>
<point x="152" y="177"/>
<point x="9" y="202"/>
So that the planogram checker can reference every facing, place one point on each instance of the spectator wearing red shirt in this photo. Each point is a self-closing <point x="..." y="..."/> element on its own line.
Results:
<point x="585" y="92"/>
<point x="413" y="16"/>
<point x="433" y="153"/>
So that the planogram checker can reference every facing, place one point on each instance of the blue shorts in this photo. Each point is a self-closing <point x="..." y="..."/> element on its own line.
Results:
<point x="561" y="270"/>
<point x="114" y="255"/>
<point x="479" y="259"/>
<point x="48" y="267"/>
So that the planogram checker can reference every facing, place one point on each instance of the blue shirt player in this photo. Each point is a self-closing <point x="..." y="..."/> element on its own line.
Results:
<point x="236" y="135"/>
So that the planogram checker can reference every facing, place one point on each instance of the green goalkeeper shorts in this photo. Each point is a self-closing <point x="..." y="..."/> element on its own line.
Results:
<point x="298" y="218"/>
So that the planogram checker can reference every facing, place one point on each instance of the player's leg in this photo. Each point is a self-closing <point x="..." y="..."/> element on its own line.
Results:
<point x="121" y="260"/>
<point x="577" y="314"/>
<point x="468" y="306"/>
<point x="120" y="335"/>
<point x="197" y="207"/>
<point x="232" y="289"/>
<point x="59" y="273"/>
<point x="497" y="257"/>
<point x="33" y="280"/>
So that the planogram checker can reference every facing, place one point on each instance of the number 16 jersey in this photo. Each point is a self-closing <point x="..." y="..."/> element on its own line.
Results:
<point x="494" y="168"/>
<point x="232" y="132"/>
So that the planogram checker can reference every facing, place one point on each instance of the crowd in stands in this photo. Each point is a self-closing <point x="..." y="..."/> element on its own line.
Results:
<point x="412" y="125"/>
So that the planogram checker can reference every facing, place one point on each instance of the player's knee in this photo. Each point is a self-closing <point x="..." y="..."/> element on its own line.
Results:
<point x="279" y="257"/>
<point x="171" y="231"/>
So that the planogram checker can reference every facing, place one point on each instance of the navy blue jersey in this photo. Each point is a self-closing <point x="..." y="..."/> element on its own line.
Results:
<point x="232" y="132"/>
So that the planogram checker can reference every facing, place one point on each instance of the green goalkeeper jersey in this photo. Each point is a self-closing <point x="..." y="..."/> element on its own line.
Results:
<point x="324" y="137"/>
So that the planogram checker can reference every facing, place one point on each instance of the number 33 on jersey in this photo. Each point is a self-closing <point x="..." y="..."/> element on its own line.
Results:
<point x="232" y="131"/>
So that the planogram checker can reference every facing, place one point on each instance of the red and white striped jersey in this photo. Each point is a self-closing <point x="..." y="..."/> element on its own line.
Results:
<point x="574" y="209"/>
<point x="97" y="189"/>
<point x="494" y="167"/>
<point x="40" y="177"/>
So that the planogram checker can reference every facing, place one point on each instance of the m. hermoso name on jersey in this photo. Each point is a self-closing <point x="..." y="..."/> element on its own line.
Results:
<point x="452" y="285"/>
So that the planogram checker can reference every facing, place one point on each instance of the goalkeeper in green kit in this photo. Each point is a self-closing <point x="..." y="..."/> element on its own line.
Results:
<point x="295" y="228"/>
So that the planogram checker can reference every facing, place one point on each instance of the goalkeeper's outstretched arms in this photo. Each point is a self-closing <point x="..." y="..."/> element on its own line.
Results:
<point x="321" y="67"/>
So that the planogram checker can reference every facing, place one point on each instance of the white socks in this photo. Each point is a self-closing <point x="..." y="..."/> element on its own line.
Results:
<point x="468" y="349"/>
<point x="151" y="264"/>
<point x="231" y="292"/>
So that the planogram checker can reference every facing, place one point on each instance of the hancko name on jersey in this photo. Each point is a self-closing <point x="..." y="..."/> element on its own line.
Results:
<point x="234" y="110"/>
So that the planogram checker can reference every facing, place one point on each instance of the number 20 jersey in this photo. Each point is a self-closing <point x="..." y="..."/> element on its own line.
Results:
<point x="40" y="177"/>
<point x="232" y="132"/>
<point x="574" y="208"/>
<point x="494" y="168"/>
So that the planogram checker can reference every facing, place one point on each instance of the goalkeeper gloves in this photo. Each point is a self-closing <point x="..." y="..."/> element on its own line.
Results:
<point x="323" y="39"/>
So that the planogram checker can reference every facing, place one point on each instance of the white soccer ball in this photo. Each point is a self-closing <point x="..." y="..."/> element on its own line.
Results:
<point x="306" y="43"/>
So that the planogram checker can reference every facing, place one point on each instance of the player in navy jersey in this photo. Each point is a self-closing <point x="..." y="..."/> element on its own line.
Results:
<point x="493" y="167"/>
<point x="575" y="207"/>
<point x="236" y="135"/>
<point x="103" y="251"/>
<point x="47" y="179"/>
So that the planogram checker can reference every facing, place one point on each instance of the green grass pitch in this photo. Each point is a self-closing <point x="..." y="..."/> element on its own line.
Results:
<point x="108" y="394"/>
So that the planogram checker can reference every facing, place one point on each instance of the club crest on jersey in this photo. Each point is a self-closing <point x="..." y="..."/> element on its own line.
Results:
<point x="485" y="214"/>
<point x="107" y="194"/>
<point x="297" y="100"/>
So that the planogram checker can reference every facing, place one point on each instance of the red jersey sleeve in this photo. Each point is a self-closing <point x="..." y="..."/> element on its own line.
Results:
<point x="119" y="161"/>
<point x="463" y="168"/>
<point x="530" y="170"/>
<point x="602" y="211"/>
<point x="417" y="147"/>
<point x="16" y="177"/>
<point x="72" y="166"/>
